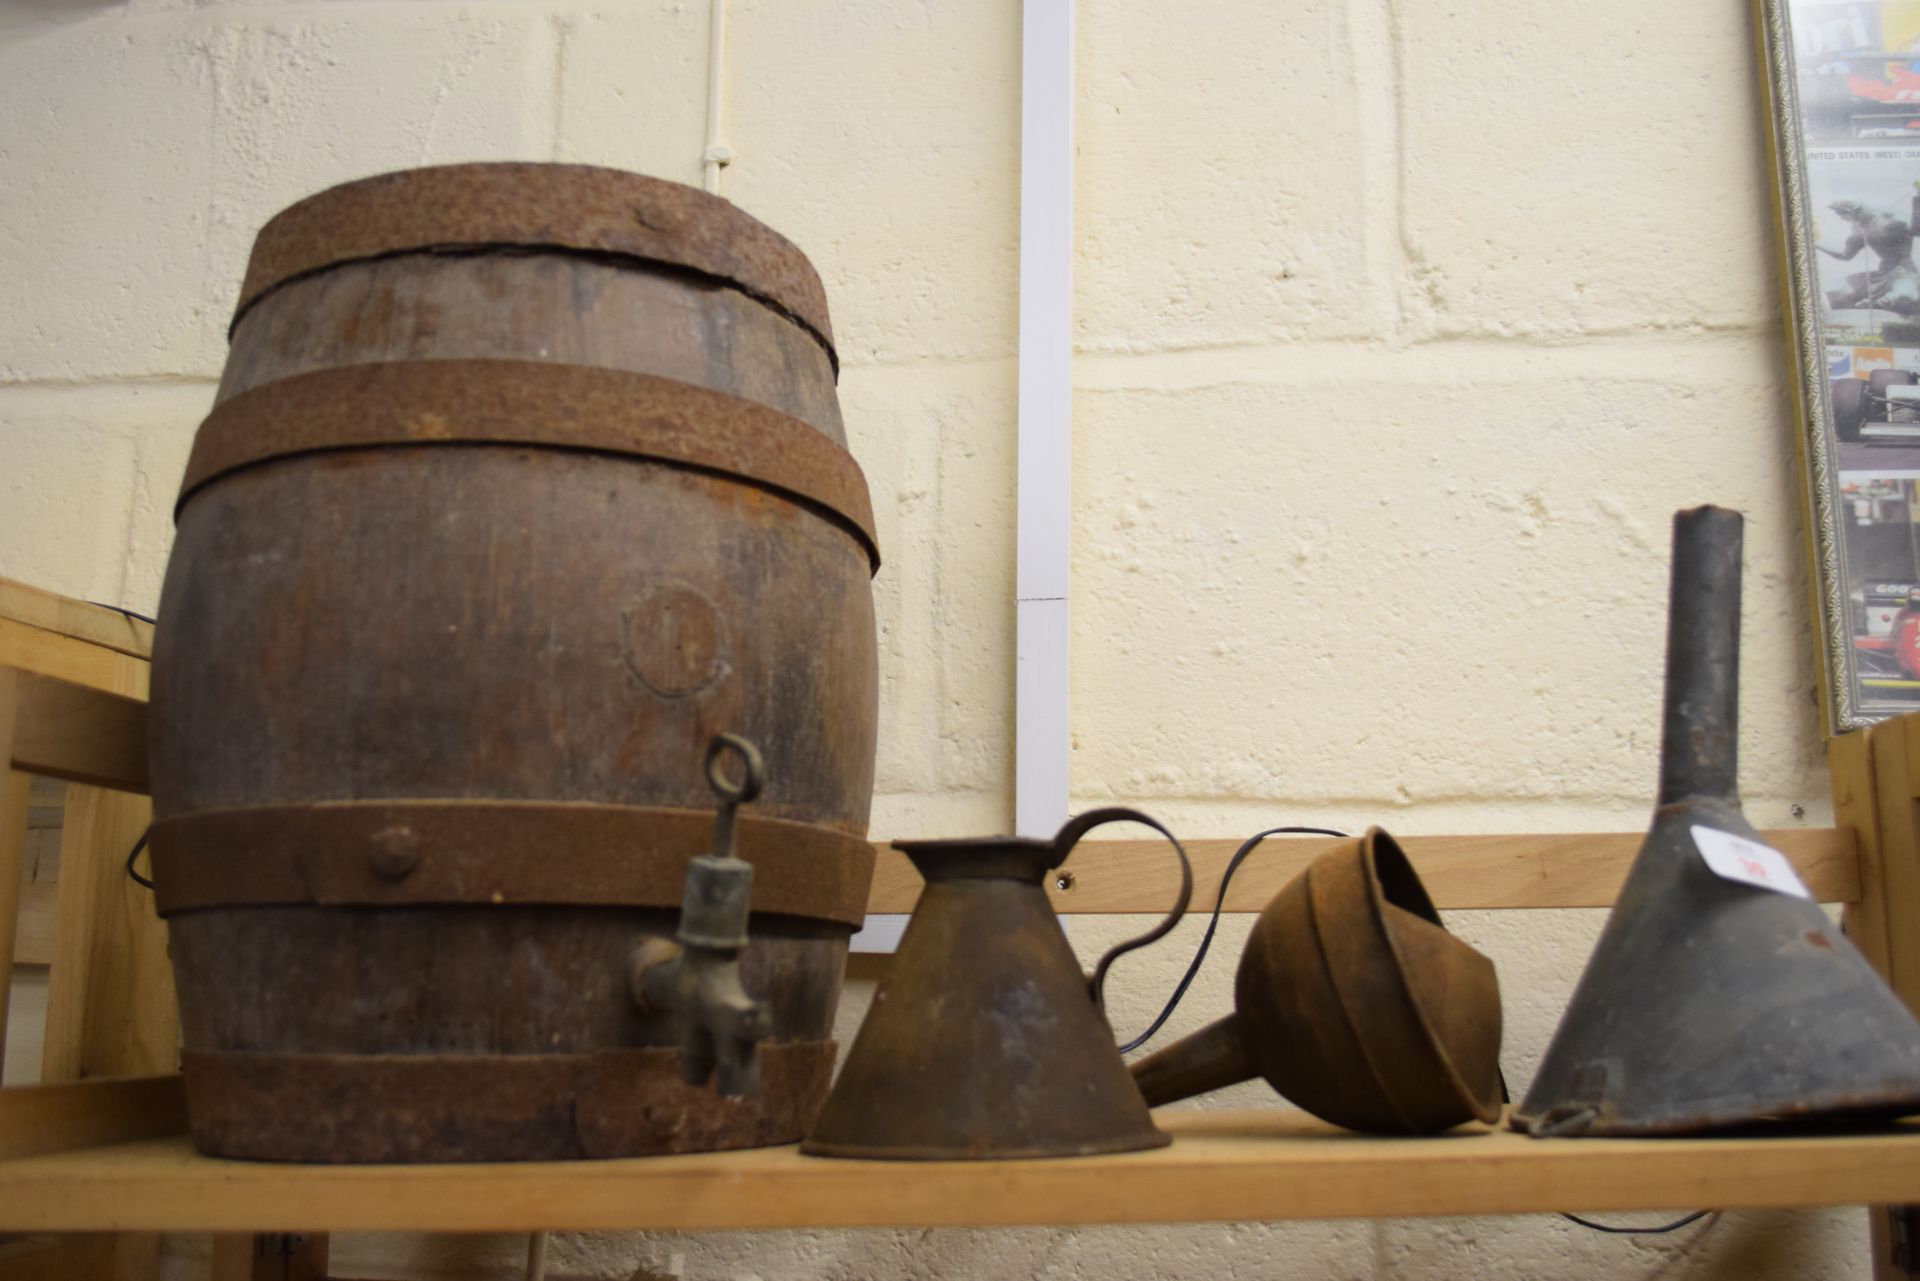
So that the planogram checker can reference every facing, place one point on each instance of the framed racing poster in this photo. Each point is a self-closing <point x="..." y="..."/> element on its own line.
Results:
<point x="1843" y="86"/>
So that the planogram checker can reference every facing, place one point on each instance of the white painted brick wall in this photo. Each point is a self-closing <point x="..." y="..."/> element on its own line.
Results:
<point x="1404" y="327"/>
<point x="1222" y="197"/>
<point x="1405" y="523"/>
<point x="1571" y="169"/>
<point x="883" y="140"/>
<point x="104" y="171"/>
<point x="634" y="94"/>
<point x="305" y="97"/>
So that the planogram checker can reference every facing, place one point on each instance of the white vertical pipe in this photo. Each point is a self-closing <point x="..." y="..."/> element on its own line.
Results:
<point x="1041" y="745"/>
<point x="715" y="155"/>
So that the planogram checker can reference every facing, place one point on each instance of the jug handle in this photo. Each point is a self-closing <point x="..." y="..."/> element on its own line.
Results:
<point x="1069" y="836"/>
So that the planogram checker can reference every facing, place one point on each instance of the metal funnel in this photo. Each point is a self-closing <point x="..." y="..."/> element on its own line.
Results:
<point x="1354" y="1002"/>
<point x="1712" y="1002"/>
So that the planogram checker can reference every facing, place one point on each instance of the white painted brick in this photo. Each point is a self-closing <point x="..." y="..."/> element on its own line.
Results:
<point x="973" y="602"/>
<point x="633" y="88"/>
<point x="1212" y="209"/>
<point x="133" y="236"/>
<point x="1399" y="593"/>
<point x="307" y="98"/>
<point x="897" y="173"/>
<point x="883" y="139"/>
<point x="63" y="521"/>
<point x="164" y="441"/>
<point x="1792" y="1245"/>
<point x="1565" y="170"/>
<point x="87" y="479"/>
<point x="104" y="166"/>
<point x="940" y="813"/>
<point x="937" y="450"/>
<point x="1205" y="1252"/>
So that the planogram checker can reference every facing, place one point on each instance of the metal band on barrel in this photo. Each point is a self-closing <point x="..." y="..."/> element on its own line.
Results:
<point x="536" y="404"/>
<point x="478" y="1107"/>
<point x="409" y="852"/>
<point x="578" y="208"/>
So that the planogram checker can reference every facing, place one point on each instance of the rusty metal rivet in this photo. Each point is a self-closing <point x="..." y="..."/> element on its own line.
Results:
<point x="657" y="216"/>
<point x="396" y="852"/>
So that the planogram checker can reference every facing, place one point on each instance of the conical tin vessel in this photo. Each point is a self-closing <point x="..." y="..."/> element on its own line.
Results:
<point x="986" y="1041"/>
<point x="1719" y="995"/>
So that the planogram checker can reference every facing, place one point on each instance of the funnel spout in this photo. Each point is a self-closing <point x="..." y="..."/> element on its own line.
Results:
<point x="1700" y="728"/>
<point x="1211" y="1059"/>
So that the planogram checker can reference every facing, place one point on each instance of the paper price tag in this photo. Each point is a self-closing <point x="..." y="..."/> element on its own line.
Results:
<point x="1738" y="859"/>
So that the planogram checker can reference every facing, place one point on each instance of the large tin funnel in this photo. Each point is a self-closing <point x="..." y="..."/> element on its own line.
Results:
<point x="1719" y="994"/>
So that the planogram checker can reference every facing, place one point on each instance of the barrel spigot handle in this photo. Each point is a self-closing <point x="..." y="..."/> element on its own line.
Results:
<point x="696" y="978"/>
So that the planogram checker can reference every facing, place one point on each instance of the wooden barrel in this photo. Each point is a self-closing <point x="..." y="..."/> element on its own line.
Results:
<point x="522" y="482"/>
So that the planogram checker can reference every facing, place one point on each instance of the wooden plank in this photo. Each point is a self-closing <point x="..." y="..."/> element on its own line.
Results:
<point x="96" y="624"/>
<point x="1854" y="777"/>
<point x="1558" y="870"/>
<point x="14" y="793"/>
<point x="43" y="653"/>
<point x="33" y="940"/>
<point x="1892" y="877"/>
<point x="110" y="999"/>
<point x="82" y="716"/>
<point x="83" y="735"/>
<point x="36" y="1119"/>
<point x="13" y="836"/>
<point x="1856" y="808"/>
<point x="1897" y="771"/>
<point x="1823" y="855"/>
<point x="1222" y="1167"/>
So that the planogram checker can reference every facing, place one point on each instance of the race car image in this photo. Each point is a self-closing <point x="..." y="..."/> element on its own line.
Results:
<point x="1881" y="542"/>
<point x="1884" y="406"/>
<point x="1877" y="606"/>
<point x="1888" y="662"/>
<point x="1862" y="94"/>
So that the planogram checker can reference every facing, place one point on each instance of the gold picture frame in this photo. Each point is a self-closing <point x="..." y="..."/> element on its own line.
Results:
<point x="1842" y="86"/>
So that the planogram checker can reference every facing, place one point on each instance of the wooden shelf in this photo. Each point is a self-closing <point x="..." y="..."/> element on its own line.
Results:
<point x="93" y="1155"/>
<point x="1222" y="1166"/>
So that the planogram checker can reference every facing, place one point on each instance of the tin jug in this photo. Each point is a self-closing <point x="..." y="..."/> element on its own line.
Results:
<point x="986" y="1041"/>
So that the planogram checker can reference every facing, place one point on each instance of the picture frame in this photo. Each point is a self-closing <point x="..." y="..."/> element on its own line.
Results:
<point x="1841" y="80"/>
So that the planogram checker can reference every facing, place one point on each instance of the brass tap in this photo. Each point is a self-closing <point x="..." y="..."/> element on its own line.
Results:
<point x="696" y="978"/>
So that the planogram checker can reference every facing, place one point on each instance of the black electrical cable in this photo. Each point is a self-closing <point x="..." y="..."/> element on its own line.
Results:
<point x="122" y="609"/>
<point x="1206" y="942"/>
<point x="1213" y="923"/>
<point x="133" y="854"/>
<point x="1665" y="1227"/>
